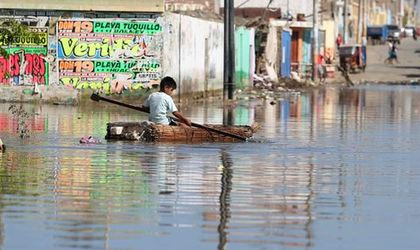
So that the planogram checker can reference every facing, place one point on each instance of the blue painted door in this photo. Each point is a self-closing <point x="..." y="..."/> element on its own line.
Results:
<point x="286" y="42"/>
<point x="307" y="49"/>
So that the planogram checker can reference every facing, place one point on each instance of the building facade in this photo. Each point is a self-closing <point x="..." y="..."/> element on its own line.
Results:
<point x="112" y="51"/>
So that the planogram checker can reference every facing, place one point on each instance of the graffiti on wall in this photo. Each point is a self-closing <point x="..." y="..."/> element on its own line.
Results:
<point x="108" y="55"/>
<point x="26" y="64"/>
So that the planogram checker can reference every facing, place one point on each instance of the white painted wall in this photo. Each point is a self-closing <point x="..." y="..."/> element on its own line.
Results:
<point x="252" y="58"/>
<point x="170" y="46"/>
<point x="184" y="53"/>
<point x="271" y="54"/>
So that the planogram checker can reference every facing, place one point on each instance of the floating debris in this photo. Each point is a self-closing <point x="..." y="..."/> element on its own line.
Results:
<point x="89" y="140"/>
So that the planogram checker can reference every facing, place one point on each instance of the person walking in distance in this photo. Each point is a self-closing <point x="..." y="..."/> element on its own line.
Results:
<point x="392" y="53"/>
<point x="339" y="40"/>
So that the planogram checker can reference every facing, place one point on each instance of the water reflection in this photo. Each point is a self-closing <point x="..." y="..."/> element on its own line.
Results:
<point x="228" y="116"/>
<point x="9" y="123"/>
<point x="338" y="165"/>
<point x="224" y="199"/>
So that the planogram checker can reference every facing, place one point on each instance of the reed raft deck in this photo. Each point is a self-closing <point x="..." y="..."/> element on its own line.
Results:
<point x="150" y="132"/>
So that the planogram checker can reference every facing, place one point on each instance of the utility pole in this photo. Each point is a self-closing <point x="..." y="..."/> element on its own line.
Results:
<point x="359" y="23"/>
<point x="365" y="23"/>
<point x="401" y="13"/>
<point x="315" y="46"/>
<point x="229" y="51"/>
<point x="345" y="17"/>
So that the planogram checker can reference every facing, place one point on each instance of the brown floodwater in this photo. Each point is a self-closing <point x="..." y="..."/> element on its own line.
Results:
<point x="330" y="169"/>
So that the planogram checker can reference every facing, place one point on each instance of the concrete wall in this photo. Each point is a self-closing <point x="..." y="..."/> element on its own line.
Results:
<point x="193" y="53"/>
<point x="122" y="60"/>
<point x="330" y="37"/>
<point x="271" y="53"/>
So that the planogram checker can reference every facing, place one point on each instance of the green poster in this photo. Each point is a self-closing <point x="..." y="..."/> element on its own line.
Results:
<point x="118" y="27"/>
<point x="114" y="66"/>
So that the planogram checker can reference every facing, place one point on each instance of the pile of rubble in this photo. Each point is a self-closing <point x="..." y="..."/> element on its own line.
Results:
<point x="294" y="82"/>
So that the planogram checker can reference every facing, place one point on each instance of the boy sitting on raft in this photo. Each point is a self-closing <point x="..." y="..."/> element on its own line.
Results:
<point x="160" y="104"/>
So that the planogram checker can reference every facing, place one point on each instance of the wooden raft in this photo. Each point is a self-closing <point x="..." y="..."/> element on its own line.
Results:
<point x="149" y="132"/>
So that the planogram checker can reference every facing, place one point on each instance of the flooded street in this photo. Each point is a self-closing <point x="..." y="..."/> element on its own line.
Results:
<point x="332" y="169"/>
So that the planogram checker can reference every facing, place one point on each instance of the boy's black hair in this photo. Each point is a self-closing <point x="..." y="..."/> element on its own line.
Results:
<point x="167" y="82"/>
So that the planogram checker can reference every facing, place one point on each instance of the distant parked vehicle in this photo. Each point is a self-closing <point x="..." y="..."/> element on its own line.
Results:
<point x="402" y="32"/>
<point x="377" y="34"/>
<point x="409" y="31"/>
<point x="352" y="57"/>
<point x="393" y="33"/>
